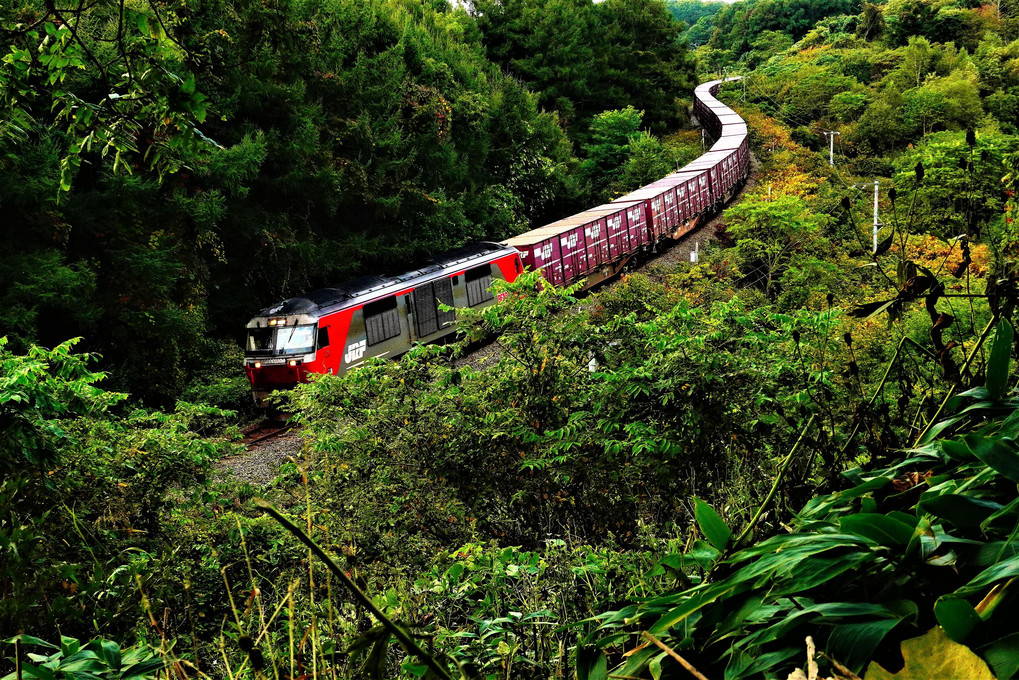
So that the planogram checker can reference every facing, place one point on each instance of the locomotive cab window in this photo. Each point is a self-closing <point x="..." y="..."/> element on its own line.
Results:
<point x="260" y="339"/>
<point x="479" y="280"/>
<point x="382" y="320"/>
<point x="323" y="337"/>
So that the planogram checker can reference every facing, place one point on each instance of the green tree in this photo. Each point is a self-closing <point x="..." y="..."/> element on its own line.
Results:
<point x="923" y="109"/>
<point x="872" y="22"/>
<point x="908" y="19"/>
<point x="881" y="127"/>
<point x="919" y="59"/>
<point x="961" y="192"/>
<point x="846" y="107"/>
<point x="611" y="134"/>
<point x="114" y="79"/>
<point x="774" y="237"/>
<point x="738" y="25"/>
<point x="691" y="11"/>
<point x="649" y="65"/>
<point x="647" y="160"/>
<point x="581" y="58"/>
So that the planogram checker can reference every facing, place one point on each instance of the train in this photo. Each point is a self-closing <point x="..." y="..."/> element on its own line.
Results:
<point x="333" y="330"/>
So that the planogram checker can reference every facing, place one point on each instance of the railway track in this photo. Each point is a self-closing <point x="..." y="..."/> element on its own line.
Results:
<point x="264" y="431"/>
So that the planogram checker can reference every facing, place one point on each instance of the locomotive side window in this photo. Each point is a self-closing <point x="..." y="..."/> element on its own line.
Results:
<point x="444" y="294"/>
<point x="478" y="281"/>
<point x="428" y="318"/>
<point x="381" y="320"/>
<point x="323" y="337"/>
<point x="425" y="310"/>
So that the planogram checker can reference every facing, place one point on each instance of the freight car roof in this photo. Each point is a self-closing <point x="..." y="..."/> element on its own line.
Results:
<point x="567" y="223"/>
<point x="684" y="175"/>
<point x="366" y="288"/>
<point x="705" y="91"/>
<point x="731" y="129"/>
<point x="644" y="193"/>
<point x="727" y="144"/>
<point x="616" y="206"/>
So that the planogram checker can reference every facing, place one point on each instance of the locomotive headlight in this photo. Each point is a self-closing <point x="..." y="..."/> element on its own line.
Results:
<point x="293" y="362"/>
<point x="258" y="364"/>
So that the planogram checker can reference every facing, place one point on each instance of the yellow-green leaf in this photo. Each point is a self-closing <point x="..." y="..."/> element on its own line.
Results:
<point x="934" y="655"/>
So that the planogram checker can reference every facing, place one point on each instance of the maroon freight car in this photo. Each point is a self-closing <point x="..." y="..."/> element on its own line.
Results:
<point x="595" y="244"/>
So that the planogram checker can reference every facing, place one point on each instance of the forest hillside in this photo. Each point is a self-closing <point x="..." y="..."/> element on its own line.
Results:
<point x="793" y="457"/>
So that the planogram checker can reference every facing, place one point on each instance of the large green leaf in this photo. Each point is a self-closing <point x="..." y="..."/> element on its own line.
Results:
<point x="999" y="359"/>
<point x="854" y="643"/>
<point x="712" y="526"/>
<point x="635" y="663"/>
<point x="30" y="640"/>
<point x="35" y="672"/>
<point x="144" y="668"/>
<point x="592" y="664"/>
<point x="999" y="454"/>
<point x="807" y="574"/>
<point x="1002" y="657"/>
<point x="1002" y="570"/>
<point x="695" y="603"/>
<point x="960" y="510"/>
<point x="957" y="617"/>
<point x="880" y="528"/>
<point x="110" y="651"/>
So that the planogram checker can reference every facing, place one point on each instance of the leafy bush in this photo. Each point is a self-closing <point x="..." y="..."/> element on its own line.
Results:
<point x="87" y="493"/>
<point x="72" y="660"/>
<point x="927" y="540"/>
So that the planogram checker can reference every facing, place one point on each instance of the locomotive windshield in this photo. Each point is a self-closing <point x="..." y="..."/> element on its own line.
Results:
<point x="282" y="340"/>
<point x="295" y="339"/>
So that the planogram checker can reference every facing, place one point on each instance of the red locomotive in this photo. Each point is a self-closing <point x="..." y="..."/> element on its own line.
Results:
<point x="334" y="329"/>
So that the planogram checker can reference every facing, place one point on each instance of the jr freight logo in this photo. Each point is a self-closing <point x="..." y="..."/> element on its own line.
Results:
<point x="355" y="351"/>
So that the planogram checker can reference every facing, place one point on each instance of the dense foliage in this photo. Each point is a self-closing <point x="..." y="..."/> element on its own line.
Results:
<point x="168" y="171"/>
<point x="915" y="544"/>
<point x="806" y="432"/>
<point x="581" y="58"/>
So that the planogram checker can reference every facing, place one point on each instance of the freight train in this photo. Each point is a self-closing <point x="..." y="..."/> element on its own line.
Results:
<point x="333" y="330"/>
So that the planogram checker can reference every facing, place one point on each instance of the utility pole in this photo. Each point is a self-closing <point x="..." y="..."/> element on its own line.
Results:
<point x="875" y="216"/>
<point x="830" y="134"/>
